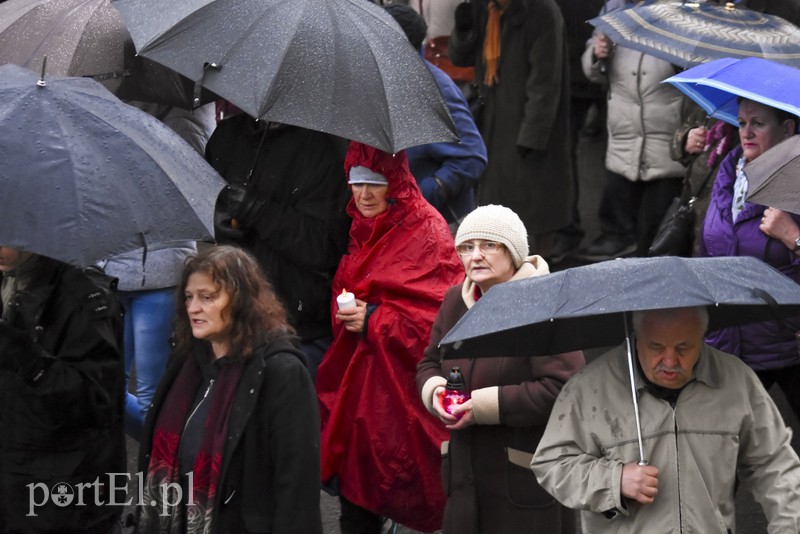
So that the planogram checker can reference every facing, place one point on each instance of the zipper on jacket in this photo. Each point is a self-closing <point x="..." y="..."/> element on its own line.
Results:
<point x="205" y="395"/>
<point x="640" y="171"/>
<point x="677" y="468"/>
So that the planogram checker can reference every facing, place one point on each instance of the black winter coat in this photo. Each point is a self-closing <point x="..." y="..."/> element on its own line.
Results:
<point x="269" y="479"/>
<point x="302" y="231"/>
<point x="61" y="417"/>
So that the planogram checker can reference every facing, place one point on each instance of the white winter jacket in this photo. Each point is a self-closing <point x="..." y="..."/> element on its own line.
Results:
<point x="643" y="113"/>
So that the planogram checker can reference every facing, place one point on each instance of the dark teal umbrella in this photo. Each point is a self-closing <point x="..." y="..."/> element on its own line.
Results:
<point x="689" y="33"/>
<point x="85" y="176"/>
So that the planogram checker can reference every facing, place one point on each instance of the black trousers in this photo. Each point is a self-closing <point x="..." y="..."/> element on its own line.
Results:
<point x="354" y="519"/>
<point x="633" y="210"/>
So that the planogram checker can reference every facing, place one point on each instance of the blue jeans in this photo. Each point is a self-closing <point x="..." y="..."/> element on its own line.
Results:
<point x="148" y="327"/>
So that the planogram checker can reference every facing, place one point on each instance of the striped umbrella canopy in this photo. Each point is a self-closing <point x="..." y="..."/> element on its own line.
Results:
<point x="690" y="33"/>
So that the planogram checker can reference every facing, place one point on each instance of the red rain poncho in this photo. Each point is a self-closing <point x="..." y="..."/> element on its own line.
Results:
<point x="376" y="434"/>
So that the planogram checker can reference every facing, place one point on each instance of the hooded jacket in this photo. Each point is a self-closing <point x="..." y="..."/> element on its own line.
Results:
<point x="767" y="344"/>
<point x="376" y="435"/>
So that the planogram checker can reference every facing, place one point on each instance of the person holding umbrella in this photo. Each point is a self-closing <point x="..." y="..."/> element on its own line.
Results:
<point x="61" y="396"/>
<point x="708" y="423"/>
<point x="733" y="226"/>
<point x="493" y="435"/>
<point x="379" y="445"/>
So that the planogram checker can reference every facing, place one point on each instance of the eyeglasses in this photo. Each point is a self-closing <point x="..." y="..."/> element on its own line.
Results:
<point x="486" y="247"/>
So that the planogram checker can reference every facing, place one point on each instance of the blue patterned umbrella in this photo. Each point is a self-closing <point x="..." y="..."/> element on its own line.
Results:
<point x="717" y="85"/>
<point x="689" y="33"/>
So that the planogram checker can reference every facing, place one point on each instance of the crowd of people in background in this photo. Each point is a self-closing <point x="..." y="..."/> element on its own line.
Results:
<point x="251" y="387"/>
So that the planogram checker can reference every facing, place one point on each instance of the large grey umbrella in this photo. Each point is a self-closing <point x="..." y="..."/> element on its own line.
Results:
<point x="687" y="33"/>
<point x="589" y="306"/>
<point x="774" y="176"/>
<point x="339" y="66"/>
<point x="85" y="176"/>
<point x="86" y="38"/>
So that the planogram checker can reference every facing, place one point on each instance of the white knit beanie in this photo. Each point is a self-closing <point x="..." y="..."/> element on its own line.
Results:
<point x="496" y="223"/>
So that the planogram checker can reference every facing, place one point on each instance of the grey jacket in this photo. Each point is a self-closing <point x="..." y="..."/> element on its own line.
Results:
<point x="159" y="268"/>
<point x="724" y="425"/>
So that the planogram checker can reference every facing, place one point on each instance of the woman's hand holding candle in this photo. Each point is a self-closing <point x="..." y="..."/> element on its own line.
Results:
<point x="346" y="300"/>
<point x="352" y="312"/>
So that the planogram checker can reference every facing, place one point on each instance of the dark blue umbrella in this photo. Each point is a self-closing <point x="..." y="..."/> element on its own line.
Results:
<point x="717" y="85"/>
<point x="689" y="33"/>
<point x="85" y="176"/>
<point x="584" y="307"/>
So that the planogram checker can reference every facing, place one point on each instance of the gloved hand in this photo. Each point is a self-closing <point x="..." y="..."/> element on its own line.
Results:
<point x="18" y="352"/>
<point x="226" y="230"/>
<point x="464" y="20"/>
<point x="244" y="205"/>
<point x="433" y="192"/>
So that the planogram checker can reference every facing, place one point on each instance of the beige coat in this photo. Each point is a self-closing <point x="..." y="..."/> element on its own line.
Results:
<point x="723" y="426"/>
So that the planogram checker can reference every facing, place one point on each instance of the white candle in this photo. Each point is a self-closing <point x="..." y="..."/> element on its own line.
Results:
<point x="346" y="300"/>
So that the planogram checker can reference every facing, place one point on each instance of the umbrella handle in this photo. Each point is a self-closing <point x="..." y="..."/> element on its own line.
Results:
<point x="41" y="82"/>
<point x="642" y="460"/>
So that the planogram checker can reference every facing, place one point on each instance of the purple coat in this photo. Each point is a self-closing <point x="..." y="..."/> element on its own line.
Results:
<point x="767" y="344"/>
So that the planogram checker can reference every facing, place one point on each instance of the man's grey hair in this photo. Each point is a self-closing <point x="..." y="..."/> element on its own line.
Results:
<point x="637" y="317"/>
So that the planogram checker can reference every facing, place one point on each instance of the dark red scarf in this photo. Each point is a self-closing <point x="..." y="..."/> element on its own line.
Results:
<point x="163" y="470"/>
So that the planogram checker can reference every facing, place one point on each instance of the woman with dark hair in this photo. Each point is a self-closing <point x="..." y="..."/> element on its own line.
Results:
<point x="232" y="440"/>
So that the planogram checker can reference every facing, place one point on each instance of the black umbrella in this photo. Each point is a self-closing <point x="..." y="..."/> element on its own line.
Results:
<point x="85" y="176"/>
<point x="87" y="38"/>
<point x="338" y="66"/>
<point x="583" y="307"/>
<point x="586" y="307"/>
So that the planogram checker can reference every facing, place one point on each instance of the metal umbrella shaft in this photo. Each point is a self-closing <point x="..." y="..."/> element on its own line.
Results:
<point x="634" y="396"/>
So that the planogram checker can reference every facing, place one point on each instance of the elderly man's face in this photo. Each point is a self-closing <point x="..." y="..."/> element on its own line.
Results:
<point x="668" y="345"/>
